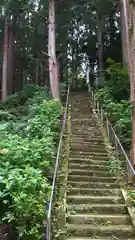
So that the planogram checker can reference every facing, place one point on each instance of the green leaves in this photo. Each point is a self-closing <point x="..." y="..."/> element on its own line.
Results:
<point x="118" y="80"/>
<point x="111" y="97"/>
<point x="27" y="149"/>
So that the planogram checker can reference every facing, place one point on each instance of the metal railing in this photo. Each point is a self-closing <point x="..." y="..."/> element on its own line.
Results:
<point x="49" y="215"/>
<point x="112" y="136"/>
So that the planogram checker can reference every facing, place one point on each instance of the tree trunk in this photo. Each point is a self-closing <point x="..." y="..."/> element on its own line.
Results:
<point x="53" y="71"/>
<point x="131" y="34"/>
<point x="124" y="33"/>
<point x="37" y="72"/>
<point x="10" y="63"/>
<point x="5" y="62"/>
<point x="100" y="53"/>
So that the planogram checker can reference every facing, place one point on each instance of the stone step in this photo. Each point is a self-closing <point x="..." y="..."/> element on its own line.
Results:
<point x="98" y="238"/>
<point x="90" y="172"/>
<point x="88" y="157"/>
<point x="90" y="120"/>
<point x="94" y="192"/>
<point x="95" y="205"/>
<point x="85" y="124"/>
<point x="102" y="219"/>
<point x="90" y="153"/>
<point x="80" y="116"/>
<point x="92" y="184"/>
<point x="87" y="129"/>
<point x="87" y="137"/>
<point x="91" y="179"/>
<point x="88" y="178"/>
<point x="86" y="132"/>
<point x="97" y="208"/>
<point x="85" y="168"/>
<point x="87" y="148"/>
<point x="80" y="199"/>
<point x="88" y="162"/>
<point x="102" y="231"/>
<point x="87" y="142"/>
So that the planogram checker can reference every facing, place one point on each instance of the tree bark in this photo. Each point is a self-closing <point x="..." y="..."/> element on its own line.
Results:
<point x="131" y="59"/>
<point x="10" y="62"/>
<point x="53" y="67"/>
<point x="100" y="53"/>
<point x="37" y="72"/>
<point x="124" y="33"/>
<point x="5" y="62"/>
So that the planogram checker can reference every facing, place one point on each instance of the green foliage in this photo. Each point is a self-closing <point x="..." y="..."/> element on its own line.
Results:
<point x="111" y="98"/>
<point x="27" y="150"/>
<point x="118" y="80"/>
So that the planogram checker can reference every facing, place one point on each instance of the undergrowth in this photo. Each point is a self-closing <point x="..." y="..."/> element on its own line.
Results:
<point x="29" y="126"/>
<point x="114" y="98"/>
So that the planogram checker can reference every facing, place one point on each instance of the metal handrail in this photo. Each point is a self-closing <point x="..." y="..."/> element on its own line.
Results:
<point x="49" y="215"/>
<point x="102" y="115"/>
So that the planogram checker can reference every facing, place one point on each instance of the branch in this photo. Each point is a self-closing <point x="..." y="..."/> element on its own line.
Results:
<point x="59" y="56"/>
<point x="36" y="13"/>
<point x="46" y="54"/>
<point x="59" y="1"/>
<point x="40" y="59"/>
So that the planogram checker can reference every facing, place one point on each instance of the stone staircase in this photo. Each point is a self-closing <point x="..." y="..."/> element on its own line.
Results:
<point x="95" y="205"/>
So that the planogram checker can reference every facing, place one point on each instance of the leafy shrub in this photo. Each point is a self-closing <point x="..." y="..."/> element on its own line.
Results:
<point x="28" y="135"/>
<point x="118" y="81"/>
<point x="119" y="113"/>
<point x="112" y="98"/>
<point x="24" y="193"/>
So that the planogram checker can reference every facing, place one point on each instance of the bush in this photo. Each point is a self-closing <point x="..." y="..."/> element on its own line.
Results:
<point x="117" y="81"/>
<point x="112" y="98"/>
<point x="27" y="149"/>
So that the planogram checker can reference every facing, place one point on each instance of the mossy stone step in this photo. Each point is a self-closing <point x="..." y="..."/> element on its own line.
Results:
<point x="94" y="192"/>
<point x="95" y="204"/>
<point x="91" y="179"/>
<point x="103" y="231"/>
<point x="98" y="238"/>
<point x="80" y="199"/>
<point x="87" y="174"/>
<point x="87" y="129"/>
<point x="87" y="137"/>
<point x="80" y="115"/>
<point x="88" y="157"/>
<point x="87" y="142"/>
<point x="88" y="125"/>
<point x="97" y="208"/>
<point x="82" y="167"/>
<point x="92" y="184"/>
<point x="87" y="162"/>
<point x="99" y="219"/>
<point x="89" y="153"/>
<point x="88" y="148"/>
<point x="86" y="132"/>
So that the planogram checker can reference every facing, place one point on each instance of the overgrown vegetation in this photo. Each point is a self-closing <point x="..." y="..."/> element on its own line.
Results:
<point x="114" y="98"/>
<point x="29" y="126"/>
